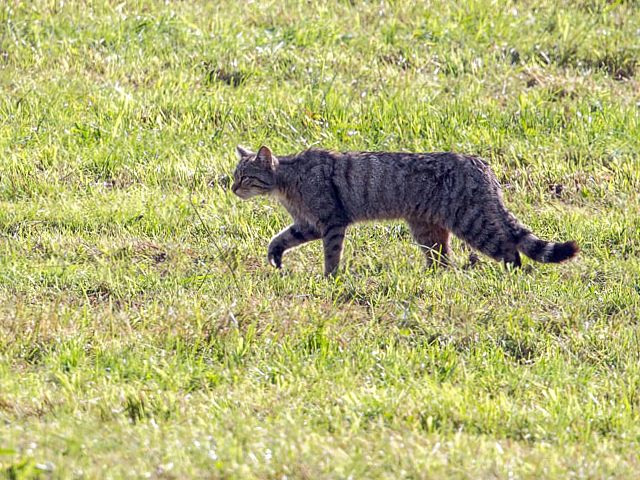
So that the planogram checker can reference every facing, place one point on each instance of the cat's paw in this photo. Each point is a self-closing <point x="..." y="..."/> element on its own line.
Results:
<point x="474" y="260"/>
<point x="274" y="257"/>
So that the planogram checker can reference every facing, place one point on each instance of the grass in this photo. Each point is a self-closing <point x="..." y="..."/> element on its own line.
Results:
<point x="142" y="333"/>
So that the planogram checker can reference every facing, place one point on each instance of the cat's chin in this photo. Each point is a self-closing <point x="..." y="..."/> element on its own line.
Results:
<point x="245" y="195"/>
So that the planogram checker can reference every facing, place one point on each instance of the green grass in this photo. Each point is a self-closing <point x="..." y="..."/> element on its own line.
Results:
<point x="136" y="340"/>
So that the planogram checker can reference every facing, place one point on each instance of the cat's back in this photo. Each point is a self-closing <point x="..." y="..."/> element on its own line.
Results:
<point x="374" y="163"/>
<point x="388" y="184"/>
<point x="371" y="185"/>
<point x="312" y="158"/>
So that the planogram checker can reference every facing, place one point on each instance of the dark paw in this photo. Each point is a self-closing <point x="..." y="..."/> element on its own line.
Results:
<point x="275" y="258"/>
<point x="331" y="272"/>
<point x="474" y="260"/>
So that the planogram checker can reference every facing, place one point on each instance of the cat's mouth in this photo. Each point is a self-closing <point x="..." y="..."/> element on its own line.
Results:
<point x="235" y="188"/>
<point x="243" y="194"/>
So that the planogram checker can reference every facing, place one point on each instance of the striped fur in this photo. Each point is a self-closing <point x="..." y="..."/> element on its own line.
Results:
<point x="436" y="193"/>
<point x="547" y="252"/>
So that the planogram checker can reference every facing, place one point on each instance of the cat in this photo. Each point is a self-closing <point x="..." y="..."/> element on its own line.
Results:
<point x="436" y="193"/>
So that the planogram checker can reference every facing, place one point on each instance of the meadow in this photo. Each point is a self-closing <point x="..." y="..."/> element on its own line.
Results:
<point x="144" y="335"/>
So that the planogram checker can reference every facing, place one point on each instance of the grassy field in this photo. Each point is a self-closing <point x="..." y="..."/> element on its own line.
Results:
<point x="142" y="333"/>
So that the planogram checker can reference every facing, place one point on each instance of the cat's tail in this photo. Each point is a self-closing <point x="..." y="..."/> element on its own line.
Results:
<point x="546" y="252"/>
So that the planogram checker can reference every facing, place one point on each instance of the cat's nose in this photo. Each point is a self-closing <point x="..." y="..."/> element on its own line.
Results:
<point x="234" y="187"/>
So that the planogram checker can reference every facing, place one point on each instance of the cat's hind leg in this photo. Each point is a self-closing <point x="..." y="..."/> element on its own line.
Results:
<point x="474" y="259"/>
<point x="290" y="237"/>
<point x="512" y="258"/>
<point x="433" y="239"/>
<point x="489" y="235"/>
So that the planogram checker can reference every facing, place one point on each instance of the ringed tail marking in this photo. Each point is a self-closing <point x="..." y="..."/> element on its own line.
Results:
<point x="547" y="252"/>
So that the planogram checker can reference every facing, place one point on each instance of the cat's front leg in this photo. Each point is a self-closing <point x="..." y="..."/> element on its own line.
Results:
<point x="290" y="237"/>
<point x="332" y="241"/>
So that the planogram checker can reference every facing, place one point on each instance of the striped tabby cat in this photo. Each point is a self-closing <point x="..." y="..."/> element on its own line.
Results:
<point x="436" y="193"/>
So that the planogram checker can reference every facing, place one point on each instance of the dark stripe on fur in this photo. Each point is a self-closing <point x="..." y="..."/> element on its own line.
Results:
<point x="536" y="249"/>
<point x="334" y="236"/>
<point x="297" y="234"/>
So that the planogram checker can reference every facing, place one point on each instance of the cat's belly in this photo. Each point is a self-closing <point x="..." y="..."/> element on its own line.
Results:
<point x="378" y="202"/>
<point x="379" y="212"/>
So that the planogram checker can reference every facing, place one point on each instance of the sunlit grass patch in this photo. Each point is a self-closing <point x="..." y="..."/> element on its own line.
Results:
<point x="142" y="332"/>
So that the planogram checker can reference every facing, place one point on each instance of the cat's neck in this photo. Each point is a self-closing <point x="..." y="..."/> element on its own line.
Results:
<point x="281" y="176"/>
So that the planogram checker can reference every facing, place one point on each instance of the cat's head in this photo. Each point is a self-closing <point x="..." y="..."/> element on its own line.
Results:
<point x="255" y="173"/>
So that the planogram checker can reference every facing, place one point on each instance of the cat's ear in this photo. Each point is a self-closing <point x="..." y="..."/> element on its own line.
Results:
<point x="265" y="157"/>
<point x="242" y="152"/>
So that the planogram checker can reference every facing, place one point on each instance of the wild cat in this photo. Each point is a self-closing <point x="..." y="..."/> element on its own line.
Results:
<point x="436" y="193"/>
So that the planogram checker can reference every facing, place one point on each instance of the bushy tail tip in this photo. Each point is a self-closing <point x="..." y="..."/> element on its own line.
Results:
<point x="547" y="252"/>
<point x="564" y="251"/>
